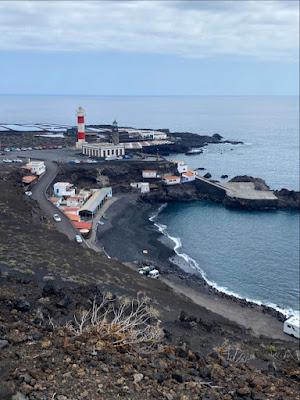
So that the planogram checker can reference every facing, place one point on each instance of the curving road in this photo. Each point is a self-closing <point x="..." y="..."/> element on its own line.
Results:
<point x="39" y="194"/>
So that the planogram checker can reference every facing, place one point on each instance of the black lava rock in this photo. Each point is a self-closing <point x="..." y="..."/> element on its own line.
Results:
<point x="178" y="377"/>
<point x="22" y="305"/>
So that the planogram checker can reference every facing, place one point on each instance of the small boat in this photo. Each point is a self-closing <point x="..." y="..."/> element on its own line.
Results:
<point x="193" y="152"/>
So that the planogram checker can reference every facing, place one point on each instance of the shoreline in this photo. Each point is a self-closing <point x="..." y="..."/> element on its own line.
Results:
<point x="283" y="313"/>
<point x="124" y="239"/>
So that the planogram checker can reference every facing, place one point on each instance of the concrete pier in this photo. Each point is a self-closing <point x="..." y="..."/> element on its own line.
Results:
<point x="238" y="194"/>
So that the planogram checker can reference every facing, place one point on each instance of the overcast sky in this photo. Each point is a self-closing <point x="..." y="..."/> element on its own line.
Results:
<point x="149" y="47"/>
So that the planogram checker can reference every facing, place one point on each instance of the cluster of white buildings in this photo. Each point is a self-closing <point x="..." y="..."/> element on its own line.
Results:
<point x="146" y="134"/>
<point x="152" y="135"/>
<point x="79" y="207"/>
<point x="184" y="174"/>
<point x="115" y="150"/>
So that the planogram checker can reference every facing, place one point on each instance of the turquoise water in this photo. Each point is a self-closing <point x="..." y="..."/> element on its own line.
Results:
<point x="252" y="254"/>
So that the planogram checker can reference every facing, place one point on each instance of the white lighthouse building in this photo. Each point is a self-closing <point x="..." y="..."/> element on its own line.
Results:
<point x="80" y="128"/>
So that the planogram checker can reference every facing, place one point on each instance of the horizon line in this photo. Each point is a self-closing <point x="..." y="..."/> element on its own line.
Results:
<point x="150" y="95"/>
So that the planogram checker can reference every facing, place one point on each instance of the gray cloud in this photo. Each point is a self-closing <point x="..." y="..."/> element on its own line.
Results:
<point x="263" y="29"/>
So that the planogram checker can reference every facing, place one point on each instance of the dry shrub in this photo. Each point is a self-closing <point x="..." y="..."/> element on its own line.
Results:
<point x="129" y="323"/>
<point x="233" y="353"/>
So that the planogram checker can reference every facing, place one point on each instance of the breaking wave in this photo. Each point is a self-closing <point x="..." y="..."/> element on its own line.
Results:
<point x="192" y="264"/>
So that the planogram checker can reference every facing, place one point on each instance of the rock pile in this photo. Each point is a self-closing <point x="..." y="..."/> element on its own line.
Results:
<point x="40" y="359"/>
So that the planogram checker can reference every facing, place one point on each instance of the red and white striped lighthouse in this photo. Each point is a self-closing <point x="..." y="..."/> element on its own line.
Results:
<point x="80" y="127"/>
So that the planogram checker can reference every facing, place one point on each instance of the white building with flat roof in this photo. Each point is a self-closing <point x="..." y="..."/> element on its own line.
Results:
<point x="188" y="176"/>
<point x="75" y="201"/>
<point x="149" y="173"/>
<point x="181" y="166"/>
<point x="144" y="187"/>
<point x="103" y="150"/>
<point x="36" y="167"/>
<point x="63" y="189"/>
<point x="154" y="135"/>
<point x="171" y="179"/>
<point x="95" y="202"/>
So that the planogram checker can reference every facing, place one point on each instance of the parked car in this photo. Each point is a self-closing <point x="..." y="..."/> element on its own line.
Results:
<point x="28" y="193"/>
<point x="56" y="218"/>
<point x="145" y="269"/>
<point x="78" y="239"/>
<point x="154" y="274"/>
<point x="150" y="271"/>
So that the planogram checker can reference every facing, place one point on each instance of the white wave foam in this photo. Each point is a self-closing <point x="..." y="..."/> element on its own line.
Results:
<point x="192" y="263"/>
<point x="154" y="216"/>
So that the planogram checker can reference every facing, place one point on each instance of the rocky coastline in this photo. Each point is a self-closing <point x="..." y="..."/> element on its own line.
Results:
<point x="118" y="175"/>
<point x="44" y="282"/>
<point x="287" y="199"/>
<point x="159" y="252"/>
<point x="184" y="142"/>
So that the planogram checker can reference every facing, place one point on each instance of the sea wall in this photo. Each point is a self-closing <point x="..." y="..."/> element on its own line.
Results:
<point x="207" y="188"/>
<point x="250" y="204"/>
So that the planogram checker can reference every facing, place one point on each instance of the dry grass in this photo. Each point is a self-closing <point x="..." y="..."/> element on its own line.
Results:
<point x="128" y="323"/>
<point x="233" y="353"/>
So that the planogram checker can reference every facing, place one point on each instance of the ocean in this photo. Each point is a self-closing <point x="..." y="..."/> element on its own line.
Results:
<point x="254" y="255"/>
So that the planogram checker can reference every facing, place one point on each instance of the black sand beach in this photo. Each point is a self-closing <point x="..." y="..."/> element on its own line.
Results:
<point x="128" y="231"/>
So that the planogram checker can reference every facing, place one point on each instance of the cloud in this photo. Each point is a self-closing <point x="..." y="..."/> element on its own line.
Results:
<point x="263" y="29"/>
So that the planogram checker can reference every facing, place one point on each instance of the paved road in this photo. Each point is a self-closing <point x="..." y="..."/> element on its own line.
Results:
<point x="39" y="194"/>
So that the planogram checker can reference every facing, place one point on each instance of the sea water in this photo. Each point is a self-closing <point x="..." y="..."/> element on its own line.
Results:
<point x="254" y="255"/>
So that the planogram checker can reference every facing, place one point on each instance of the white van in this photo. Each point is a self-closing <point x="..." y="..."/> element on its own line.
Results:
<point x="292" y="326"/>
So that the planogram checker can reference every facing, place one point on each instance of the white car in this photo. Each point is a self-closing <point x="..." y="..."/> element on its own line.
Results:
<point x="78" y="239"/>
<point x="56" y="218"/>
<point x="28" y="193"/>
<point x="145" y="270"/>
<point x="7" y="160"/>
<point x="154" y="274"/>
<point x="17" y="160"/>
